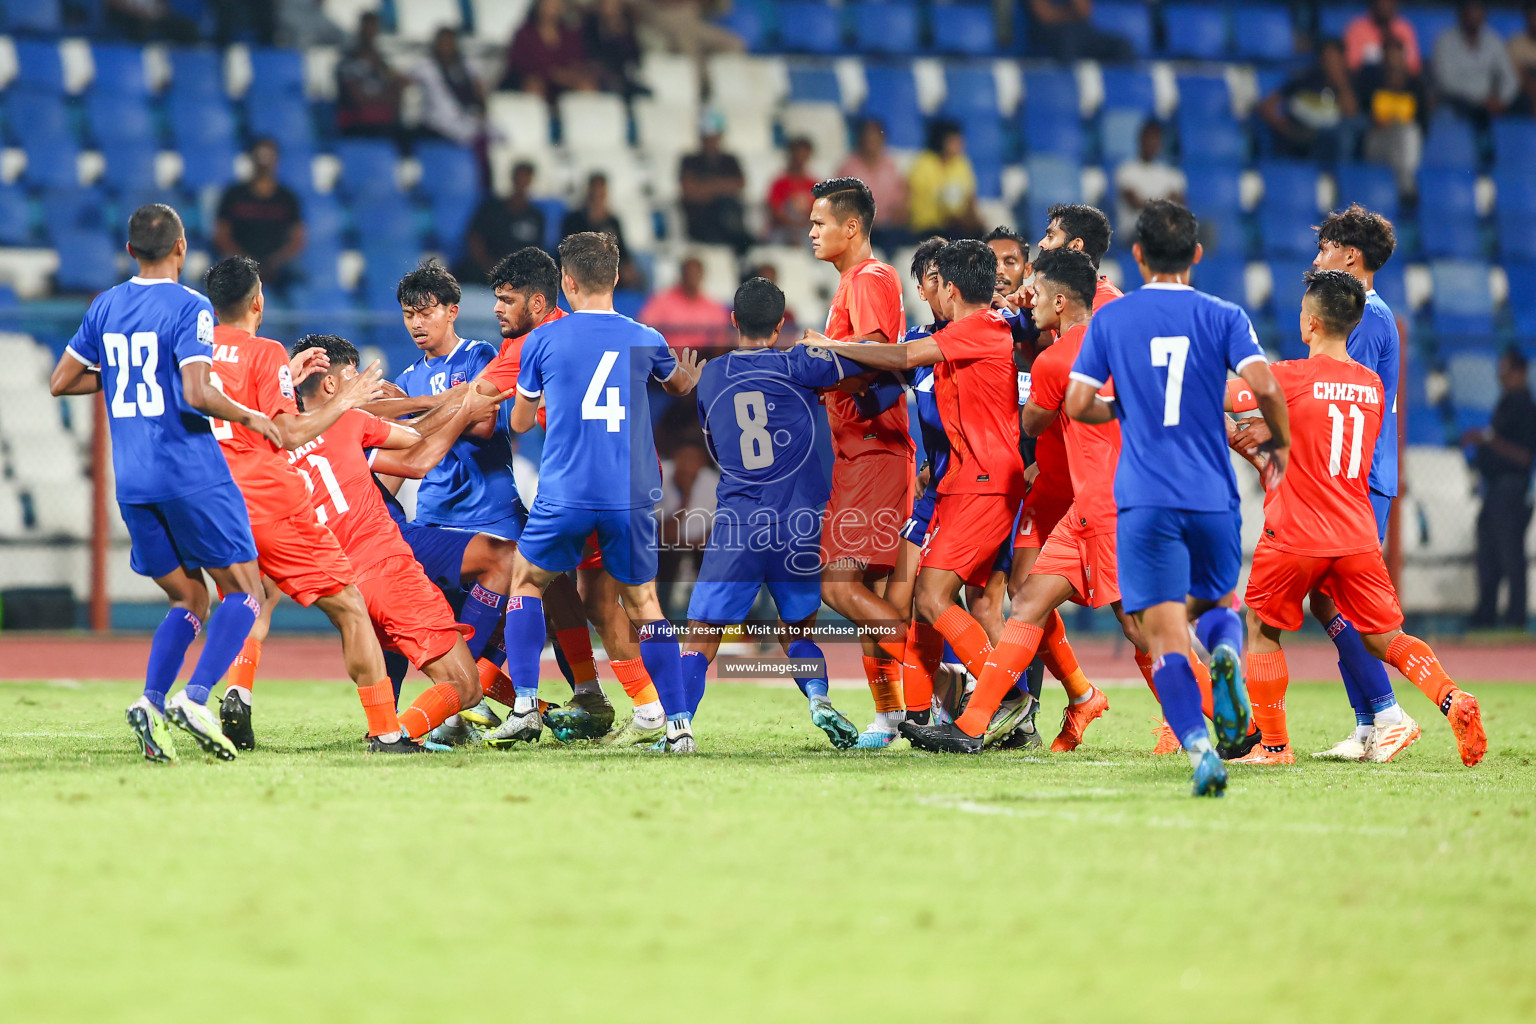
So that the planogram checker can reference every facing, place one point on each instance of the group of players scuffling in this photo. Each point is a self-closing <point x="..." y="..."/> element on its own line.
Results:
<point x="1077" y="444"/>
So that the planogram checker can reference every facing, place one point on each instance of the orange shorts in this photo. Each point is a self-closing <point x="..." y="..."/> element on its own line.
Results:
<point x="1086" y="560"/>
<point x="302" y="556"/>
<point x="1039" y="517"/>
<point x="592" y="555"/>
<point x="871" y="498"/>
<point x="409" y="614"/>
<point x="1280" y="581"/>
<point x="965" y="533"/>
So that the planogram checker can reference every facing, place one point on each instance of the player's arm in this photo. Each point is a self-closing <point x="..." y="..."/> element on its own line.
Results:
<point x="902" y="355"/>
<point x="303" y="427"/>
<point x="1034" y="419"/>
<point x="198" y="390"/>
<point x="1083" y="403"/>
<point x="685" y="375"/>
<point x="1271" y="402"/>
<point x="73" y="377"/>
<point x="412" y="454"/>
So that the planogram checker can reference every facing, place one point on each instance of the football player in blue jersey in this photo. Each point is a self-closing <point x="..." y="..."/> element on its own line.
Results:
<point x="598" y="471"/>
<point x="1167" y="349"/>
<point x="757" y="405"/>
<point x="149" y="344"/>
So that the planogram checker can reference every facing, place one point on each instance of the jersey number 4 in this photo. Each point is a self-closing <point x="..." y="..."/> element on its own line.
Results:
<point x="611" y="411"/>
<point x="1172" y="352"/>
<point x="1336" y="443"/>
<point x="141" y="352"/>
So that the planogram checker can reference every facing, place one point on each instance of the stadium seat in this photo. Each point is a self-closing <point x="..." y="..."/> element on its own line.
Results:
<point x="199" y="120"/>
<point x="1262" y="31"/>
<point x="1371" y="185"/>
<point x="1051" y="93"/>
<point x="1448" y="213"/>
<point x="885" y="28"/>
<point x="1332" y="19"/>
<point x="1284" y="233"/>
<point x="1130" y="19"/>
<point x="1391" y="285"/>
<point x="39" y="66"/>
<point x="318" y="262"/>
<point x="34" y="17"/>
<point x="367" y="168"/>
<point x="1522" y="296"/>
<point x="385" y="226"/>
<point x="1205" y="98"/>
<point x="130" y="166"/>
<point x="1211" y="142"/>
<point x="1195" y="30"/>
<point x="751" y="20"/>
<point x="593" y="122"/>
<point x="51" y="162"/>
<point x="1428" y="22"/>
<point x="809" y="26"/>
<point x="15" y="216"/>
<point x="1129" y="88"/>
<point x="276" y="72"/>
<point x="523" y="119"/>
<point x="285" y="119"/>
<point x="87" y="260"/>
<point x="1217" y="202"/>
<point x="1052" y="179"/>
<point x="1514" y="143"/>
<point x="1449" y="143"/>
<point x="1223" y="277"/>
<point x="207" y="165"/>
<point x="118" y="117"/>
<point x="1289" y="284"/>
<point x="1474" y="382"/>
<point x="73" y="207"/>
<point x="32" y="115"/>
<point x="893" y="99"/>
<point x="965" y="29"/>
<point x="1290" y="185"/>
<point x="196" y="72"/>
<point x="1119" y="137"/>
<point x="119" y="69"/>
<point x="823" y="122"/>
<point x="814" y="85"/>
<point x="417" y="20"/>
<point x="1055" y="134"/>
<point x="1463" y="300"/>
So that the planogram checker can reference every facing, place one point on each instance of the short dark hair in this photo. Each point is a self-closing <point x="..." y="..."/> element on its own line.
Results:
<point x="848" y="197"/>
<point x="1362" y="229"/>
<point x="926" y="252"/>
<point x="1168" y="234"/>
<point x="231" y="284"/>
<point x="1072" y="270"/>
<point x="529" y="269"/>
<point x="1003" y="233"/>
<point x="759" y="306"/>
<point x="1338" y="299"/>
<point x="153" y="231"/>
<point x="592" y="260"/>
<point x="1512" y="353"/>
<point x="1079" y="220"/>
<point x="340" y="351"/>
<point x="430" y="280"/>
<point x="970" y="266"/>
<point x="940" y="129"/>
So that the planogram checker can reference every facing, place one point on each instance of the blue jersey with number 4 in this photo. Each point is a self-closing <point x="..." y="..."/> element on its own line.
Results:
<point x="591" y="368"/>
<point x="473" y="484"/>
<point x="758" y="409"/>
<point x="140" y="334"/>
<point x="1168" y="348"/>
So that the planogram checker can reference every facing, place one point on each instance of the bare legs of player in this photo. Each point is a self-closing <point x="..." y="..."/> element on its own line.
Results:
<point x="862" y="596"/>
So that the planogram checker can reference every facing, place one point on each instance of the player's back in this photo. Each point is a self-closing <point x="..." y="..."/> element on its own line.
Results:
<point x="344" y="493"/>
<point x="254" y="372"/>
<point x="140" y="333"/>
<point x="1322" y="505"/>
<point x="591" y="369"/>
<point x="1375" y="344"/>
<point x="1168" y="348"/>
<point x="758" y="410"/>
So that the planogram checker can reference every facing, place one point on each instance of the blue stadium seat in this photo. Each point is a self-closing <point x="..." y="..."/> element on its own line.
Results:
<point x="1448" y="213"/>
<point x="87" y="261"/>
<point x="1290" y="185"/>
<point x="885" y="27"/>
<point x="1223" y="277"/>
<point x="1052" y="179"/>
<point x="1332" y="19"/>
<point x="276" y="72"/>
<point x="1129" y="88"/>
<point x="1262" y="31"/>
<point x="1205" y="97"/>
<point x="285" y="119"/>
<point x="965" y="29"/>
<point x="809" y="26"/>
<point x="1129" y="19"/>
<point x="1514" y="142"/>
<point x="51" y="161"/>
<point x="324" y="217"/>
<point x="1428" y="23"/>
<point x="1051" y="93"/>
<point x="71" y="208"/>
<point x="1473" y="378"/>
<point x="1120" y="136"/>
<point x="386" y="227"/>
<point x="893" y="99"/>
<point x="446" y="167"/>
<point x="39" y="66"/>
<point x="1371" y="185"/>
<point x="752" y="20"/>
<point x="1217" y="202"/>
<point x="969" y="93"/>
<point x="1195" y="30"/>
<point x="1057" y="134"/>
<point x="119" y="117"/>
<point x="198" y="119"/>
<point x="317" y="262"/>
<point x="207" y="165"/>
<point x="1450" y="143"/>
<point x="197" y="70"/>
<point x="1522" y="296"/>
<point x="367" y="167"/>
<point x="1516" y="189"/>
<point x="451" y="215"/>
<point x="1392" y="287"/>
<point x="1463" y="300"/>
<point x="15" y="216"/>
<point x="1425" y="426"/>
<point x="34" y="17"/>
<point x="1285" y="234"/>
<point x="119" y="69"/>
<point x="1289" y="286"/>
<point x="1216" y="142"/>
<point x="32" y="115"/>
<point x="985" y="145"/>
<point x="814" y="85"/>
<point x="130" y="165"/>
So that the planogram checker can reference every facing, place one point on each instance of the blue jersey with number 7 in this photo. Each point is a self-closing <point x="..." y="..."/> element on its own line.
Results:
<point x="591" y="369"/>
<point x="1167" y="348"/>
<point x="140" y="334"/>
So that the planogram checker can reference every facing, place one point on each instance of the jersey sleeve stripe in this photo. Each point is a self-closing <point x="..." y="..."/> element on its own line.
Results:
<point x="528" y="394"/>
<point x="80" y="358"/>
<point x="1086" y="379"/>
<point x="663" y="380"/>
<point x="195" y="359"/>
<point x="1255" y="358"/>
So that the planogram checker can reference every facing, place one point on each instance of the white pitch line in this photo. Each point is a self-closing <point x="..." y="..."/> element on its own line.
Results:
<point x="968" y="806"/>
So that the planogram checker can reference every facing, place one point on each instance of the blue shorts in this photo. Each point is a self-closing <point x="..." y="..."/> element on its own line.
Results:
<point x="1167" y="554"/>
<point x="742" y="557"/>
<point x="440" y="550"/>
<point x="207" y="529"/>
<point x="1382" y="506"/>
<point x="915" y="529"/>
<point x="555" y="534"/>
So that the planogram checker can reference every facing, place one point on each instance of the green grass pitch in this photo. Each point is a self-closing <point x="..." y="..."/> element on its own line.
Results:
<point x="770" y="878"/>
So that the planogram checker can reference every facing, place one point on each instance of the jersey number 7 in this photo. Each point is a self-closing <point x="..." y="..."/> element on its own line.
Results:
<point x="1172" y="352"/>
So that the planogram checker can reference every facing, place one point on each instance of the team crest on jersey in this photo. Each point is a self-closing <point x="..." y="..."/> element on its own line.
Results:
<point x="285" y="381"/>
<point x="205" y="327"/>
<point x="459" y="377"/>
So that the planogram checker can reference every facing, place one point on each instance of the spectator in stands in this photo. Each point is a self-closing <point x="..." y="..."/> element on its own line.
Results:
<point x="684" y="315"/>
<point x="686" y="28"/>
<point x="941" y="186"/>
<point x="594" y="214"/>
<point x="262" y="218"/>
<point x="609" y="34"/>
<point x="1064" y="30"/>
<point x="1472" y="70"/>
<point x="872" y="164"/>
<point x="713" y="188"/>
<point x="245" y="21"/>
<point x="145" y="21"/>
<point x="1504" y="453"/>
<point x="769" y="272"/>
<point x="502" y="226"/>
<point x="452" y="98"/>
<point x="1522" y="57"/>
<point x="368" y="89"/>
<point x="1315" y="115"/>
<point x="548" y="55"/>
<point x="1365" y="37"/>
<point x="304" y="23"/>
<point x="1397" y="104"/>
<point x="789" y="197"/>
<point x="1148" y="177"/>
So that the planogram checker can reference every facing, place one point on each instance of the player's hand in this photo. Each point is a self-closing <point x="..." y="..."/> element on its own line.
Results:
<point x="478" y="403"/>
<point x="1249" y="435"/>
<point x="364" y="388"/>
<point x="1274" y="469"/>
<point x="263" y="426"/>
<point x="688" y="363"/>
<point x="1024" y="297"/>
<point x="389" y="389"/>
<point x="811" y="337"/>
<point x="308" y="362"/>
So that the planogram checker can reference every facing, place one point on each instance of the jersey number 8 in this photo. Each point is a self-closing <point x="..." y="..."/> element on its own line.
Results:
<point x="124" y="353"/>
<point x="752" y="418"/>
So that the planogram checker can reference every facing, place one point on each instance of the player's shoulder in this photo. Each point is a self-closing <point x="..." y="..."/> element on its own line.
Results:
<point x="1377" y="318"/>
<point x="479" y="351"/>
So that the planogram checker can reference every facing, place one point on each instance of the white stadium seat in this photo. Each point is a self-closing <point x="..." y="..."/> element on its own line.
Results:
<point x="46" y="460"/>
<point x="739" y="81"/>
<point x="522" y="119"/>
<point x="497" y="20"/>
<point x="12" y="525"/>
<point x="672" y="78"/>
<point x="62" y="508"/>
<point x="28" y="415"/>
<point x="594" y="122"/>
<point x="418" y="20"/>
<point x="825" y="125"/>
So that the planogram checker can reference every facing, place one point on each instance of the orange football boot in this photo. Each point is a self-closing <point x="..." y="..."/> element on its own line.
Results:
<point x="1075" y="719"/>
<point x="1263" y="756"/>
<point x="1167" y="742"/>
<point x="1467" y="723"/>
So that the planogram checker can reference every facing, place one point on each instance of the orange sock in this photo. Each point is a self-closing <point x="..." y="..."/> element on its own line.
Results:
<point x="429" y="711"/>
<point x="884" y="675"/>
<point x="1267" y="680"/>
<point x="495" y="684"/>
<point x="576" y="645"/>
<point x="925" y="648"/>
<point x="1019" y="643"/>
<point x="1144" y="664"/>
<point x="243" y="672"/>
<point x="895" y="647"/>
<point x="1418" y="664"/>
<point x="636" y="681"/>
<point x="1060" y="660"/>
<point x="379" y="705"/>
<point x="966" y="636"/>
<point x="1203" y="680"/>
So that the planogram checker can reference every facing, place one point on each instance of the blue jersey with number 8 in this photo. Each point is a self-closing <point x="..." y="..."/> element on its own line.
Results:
<point x="591" y="369"/>
<point x="1168" y="348"/>
<point x="140" y="334"/>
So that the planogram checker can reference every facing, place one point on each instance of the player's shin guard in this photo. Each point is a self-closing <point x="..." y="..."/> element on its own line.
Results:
<point x="1061" y="660"/>
<point x="228" y="627"/>
<point x="1180" y="697"/>
<point x="925" y="648"/>
<point x="636" y="681"/>
<point x="664" y="661"/>
<point x="430" y="710"/>
<point x="967" y="637"/>
<point x="1203" y="681"/>
<point x="1418" y="664"/>
<point x="695" y="669"/>
<point x="884" y="677"/>
<point x="1019" y="643"/>
<point x="167" y="651"/>
<point x="494" y="682"/>
<point x="524" y="631"/>
<point x="1365" y="678"/>
<point x="812" y="686"/>
<point x="482" y="612"/>
<point x="1144" y="665"/>
<point x="397" y="665"/>
<point x="1268" y="678"/>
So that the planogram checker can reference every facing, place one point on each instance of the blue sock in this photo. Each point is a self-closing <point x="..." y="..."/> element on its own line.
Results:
<point x="167" y="651"/>
<point x="695" y="669"/>
<point x="1220" y="625"/>
<point x="664" y="661"/>
<point x="1179" y="694"/>
<point x="812" y="686"/>
<point x="565" y="667"/>
<point x="228" y="627"/>
<point x="482" y="612"/>
<point x="496" y="653"/>
<point x="1365" y="677"/>
<point x="524" y="634"/>
<point x="396" y="665"/>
